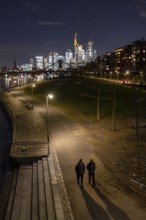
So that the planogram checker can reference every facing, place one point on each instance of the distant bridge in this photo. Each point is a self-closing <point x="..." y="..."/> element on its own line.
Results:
<point x="35" y="72"/>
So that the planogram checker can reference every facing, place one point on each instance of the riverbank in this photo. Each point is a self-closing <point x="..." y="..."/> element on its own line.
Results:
<point x="6" y="141"/>
<point x="28" y="128"/>
<point x="5" y="148"/>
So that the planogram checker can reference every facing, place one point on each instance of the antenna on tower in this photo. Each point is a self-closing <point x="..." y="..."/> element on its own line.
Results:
<point x="75" y="39"/>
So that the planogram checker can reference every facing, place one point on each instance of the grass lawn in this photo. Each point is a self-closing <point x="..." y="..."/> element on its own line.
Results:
<point x="80" y="96"/>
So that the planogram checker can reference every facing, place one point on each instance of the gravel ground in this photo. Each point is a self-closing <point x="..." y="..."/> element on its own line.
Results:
<point x="127" y="160"/>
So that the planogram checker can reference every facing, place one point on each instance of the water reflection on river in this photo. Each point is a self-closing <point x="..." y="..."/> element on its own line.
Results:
<point x="6" y="82"/>
<point x="12" y="80"/>
<point x="5" y="141"/>
<point x="5" y="125"/>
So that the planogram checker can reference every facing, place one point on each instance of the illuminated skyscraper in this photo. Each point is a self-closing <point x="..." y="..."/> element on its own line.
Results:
<point x="52" y="59"/>
<point x="90" y="52"/>
<point x="39" y="62"/>
<point x="79" y="53"/>
<point x="75" y="40"/>
<point x="75" y="47"/>
<point x="68" y="56"/>
<point x="31" y="61"/>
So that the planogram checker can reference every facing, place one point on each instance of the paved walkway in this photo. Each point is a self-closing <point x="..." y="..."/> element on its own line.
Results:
<point x="107" y="203"/>
<point x="29" y="127"/>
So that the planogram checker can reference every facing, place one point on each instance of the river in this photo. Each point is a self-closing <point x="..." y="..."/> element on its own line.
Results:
<point x="5" y="137"/>
<point x="5" y="123"/>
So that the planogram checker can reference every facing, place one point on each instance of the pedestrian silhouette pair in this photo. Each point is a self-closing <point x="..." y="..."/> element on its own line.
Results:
<point x="80" y="170"/>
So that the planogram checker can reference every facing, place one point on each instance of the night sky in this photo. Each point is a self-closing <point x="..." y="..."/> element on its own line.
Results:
<point x="37" y="27"/>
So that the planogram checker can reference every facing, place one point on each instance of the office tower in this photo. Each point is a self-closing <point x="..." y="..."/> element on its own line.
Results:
<point x="39" y="62"/>
<point x="68" y="56"/>
<point x="90" y="52"/>
<point x="75" y="47"/>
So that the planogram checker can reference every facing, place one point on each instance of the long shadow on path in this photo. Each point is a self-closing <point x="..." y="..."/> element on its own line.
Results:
<point x="98" y="213"/>
<point x="95" y="210"/>
<point x="116" y="212"/>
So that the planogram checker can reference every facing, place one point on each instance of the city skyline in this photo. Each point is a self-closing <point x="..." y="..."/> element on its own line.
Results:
<point x="30" y="28"/>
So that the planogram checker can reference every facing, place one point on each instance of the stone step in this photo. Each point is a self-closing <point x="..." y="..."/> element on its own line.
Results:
<point x="41" y="192"/>
<point x="22" y="200"/>
<point x="35" y="209"/>
<point x="48" y="191"/>
<point x="56" y="194"/>
<point x="17" y="198"/>
<point x="25" y="211"/>
<point x="34" y="193"/>
<point x="11" y="196"/>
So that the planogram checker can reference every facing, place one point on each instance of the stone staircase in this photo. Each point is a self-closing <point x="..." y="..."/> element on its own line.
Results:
<point x="34" y="193"/>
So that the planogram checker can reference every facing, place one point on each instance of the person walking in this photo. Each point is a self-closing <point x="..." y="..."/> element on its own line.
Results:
<point x="91" y="172"/>
<point x="80" y="169"/>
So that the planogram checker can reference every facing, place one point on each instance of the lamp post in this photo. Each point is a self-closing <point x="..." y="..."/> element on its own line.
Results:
<point x="98" y="98"/>
<point x="48" y="96"/>
<point x="114" y="107"/>
<point x="33" y="85"/>
<point x="14" y="87"/>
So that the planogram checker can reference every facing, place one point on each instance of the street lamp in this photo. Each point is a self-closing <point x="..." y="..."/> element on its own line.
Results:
<point x="14" y="87"/>
<point x="48" y="96"/>
<point x="32" y="91"/>
<point x="98" y="99"/>
<point x="114" y="107"/>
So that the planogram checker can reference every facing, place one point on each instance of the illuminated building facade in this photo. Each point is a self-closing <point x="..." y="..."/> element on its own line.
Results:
<point x="79" y="53"/>
<point x="139" y="56"/>
<point x="90" y="52"/>
<point x="79" y="58"/>
<point x="32" y="62"/>
<point x="39" y="62"/>
<point x="118" y="62"/>
<point x="75" y="47"/>
<point x="68" y="56"/>
<point x="26" y="67"/>
<point x="56" y="61"/>
<point x="52" y="59"/>
<point x="127" y="63"/>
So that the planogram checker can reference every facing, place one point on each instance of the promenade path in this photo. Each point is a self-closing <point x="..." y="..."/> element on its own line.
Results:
<point x="29" y="129"/>
<point x="69" y="141"/>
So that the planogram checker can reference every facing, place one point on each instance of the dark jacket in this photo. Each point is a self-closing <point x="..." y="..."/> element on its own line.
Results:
<point x="91" y="167"/>
<point x="80" y="168"/>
